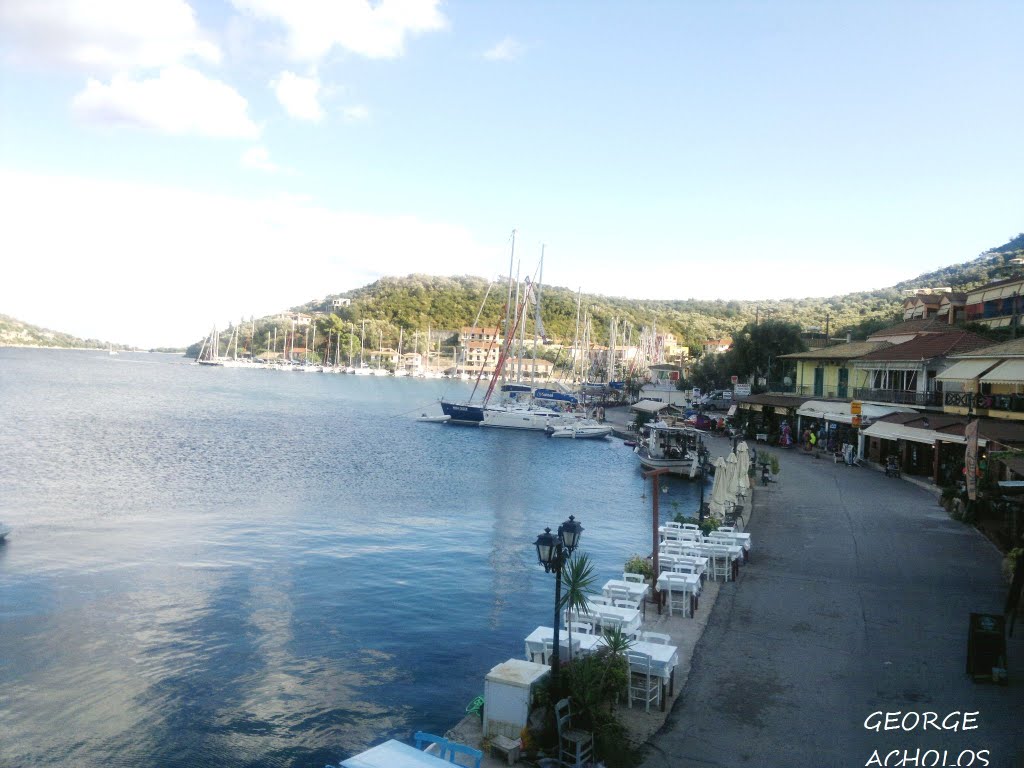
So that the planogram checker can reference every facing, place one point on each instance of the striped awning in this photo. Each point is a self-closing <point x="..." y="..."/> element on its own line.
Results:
<point x="1007" y="372"/>
<point x="966" y="370"/>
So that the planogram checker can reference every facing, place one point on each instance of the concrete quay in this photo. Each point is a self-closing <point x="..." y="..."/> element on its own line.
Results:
<point x="857" y="601"/>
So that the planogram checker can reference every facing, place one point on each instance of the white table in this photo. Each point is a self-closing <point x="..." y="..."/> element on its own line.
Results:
<point x="637" y="591"/>
<point x="700" y="564"/>
<point x="581" y="643"/>
<point x="692" y="581"/>
<point x="664" y="658"/>
<point x="394" y="754"/>
<point x="733" y="551"/>
<point x="737" y="538"/>
<point x="629" y="619"/>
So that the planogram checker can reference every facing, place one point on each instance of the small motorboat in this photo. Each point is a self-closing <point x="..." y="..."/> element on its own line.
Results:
<point x="433" y="419"/>
<point x="585" y="429"/>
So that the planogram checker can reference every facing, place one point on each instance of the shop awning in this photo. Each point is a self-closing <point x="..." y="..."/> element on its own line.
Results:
<point x="649" y="406"/>
<point x="966" y="370"/>
<point x="887" y="430"/>
<point x="1007" y="372"/>
<point x="839" y="413"/>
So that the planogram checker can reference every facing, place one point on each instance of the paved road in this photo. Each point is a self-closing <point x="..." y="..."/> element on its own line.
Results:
<point x="857" y="601"/>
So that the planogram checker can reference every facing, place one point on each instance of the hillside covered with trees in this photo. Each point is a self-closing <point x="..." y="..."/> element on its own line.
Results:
<point x="15" y="333"/>
<point x="415" y="302"/>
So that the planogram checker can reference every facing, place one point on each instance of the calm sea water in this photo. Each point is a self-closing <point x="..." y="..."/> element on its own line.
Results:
<point x="214" y="567"/>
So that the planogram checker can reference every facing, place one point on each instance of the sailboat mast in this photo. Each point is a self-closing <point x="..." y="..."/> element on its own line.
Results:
<point x="536" y="317"/>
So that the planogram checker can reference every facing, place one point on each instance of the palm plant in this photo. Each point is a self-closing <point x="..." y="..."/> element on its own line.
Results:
<point x="578" y="579"/>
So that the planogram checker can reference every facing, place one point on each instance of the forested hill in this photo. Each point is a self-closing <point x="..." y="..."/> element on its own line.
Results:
<point x="416" y="301"/>
<point x="15" y="333"/>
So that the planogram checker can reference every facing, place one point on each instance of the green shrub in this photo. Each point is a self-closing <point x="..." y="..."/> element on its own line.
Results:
<point x="639" y="564"/>
<point x="706" y="527"/>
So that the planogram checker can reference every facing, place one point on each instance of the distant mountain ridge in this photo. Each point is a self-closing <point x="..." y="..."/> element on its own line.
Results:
<point x="416" y="302"/>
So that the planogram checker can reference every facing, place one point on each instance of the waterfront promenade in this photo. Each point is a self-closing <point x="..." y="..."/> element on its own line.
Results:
<point x="856" y="602"/>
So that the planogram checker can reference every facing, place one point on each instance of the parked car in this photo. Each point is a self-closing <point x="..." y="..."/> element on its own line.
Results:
<point x="718" y="401"/>
<point x="700" y="421"/>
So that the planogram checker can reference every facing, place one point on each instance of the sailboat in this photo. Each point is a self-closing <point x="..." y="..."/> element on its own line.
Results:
<point x="110" y="349"/>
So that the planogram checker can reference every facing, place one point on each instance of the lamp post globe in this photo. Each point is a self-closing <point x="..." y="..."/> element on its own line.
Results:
<point x="552" y="552"/>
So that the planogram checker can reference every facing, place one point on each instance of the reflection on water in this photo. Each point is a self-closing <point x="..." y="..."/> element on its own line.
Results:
<point x="235" y="568"/>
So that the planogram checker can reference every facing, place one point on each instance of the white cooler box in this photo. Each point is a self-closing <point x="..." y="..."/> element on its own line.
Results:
<point x="508" y="695"/>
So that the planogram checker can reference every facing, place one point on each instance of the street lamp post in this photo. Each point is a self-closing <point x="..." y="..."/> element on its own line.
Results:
<point x="553" y="550"/>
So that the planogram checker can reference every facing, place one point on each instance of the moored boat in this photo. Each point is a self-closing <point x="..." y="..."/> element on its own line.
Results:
<point x="580" y="430"/>
<point x="672" y="448"/>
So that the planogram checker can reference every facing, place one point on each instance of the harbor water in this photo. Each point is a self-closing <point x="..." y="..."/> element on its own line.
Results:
<point x="224" y="567"/>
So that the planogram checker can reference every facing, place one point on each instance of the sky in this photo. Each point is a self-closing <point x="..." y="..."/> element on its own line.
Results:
<point x="168" y="165"/>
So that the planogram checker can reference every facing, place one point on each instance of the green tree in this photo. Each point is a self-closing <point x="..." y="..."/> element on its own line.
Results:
<point x="578" y="579"/>
<point x="756" y="347"/>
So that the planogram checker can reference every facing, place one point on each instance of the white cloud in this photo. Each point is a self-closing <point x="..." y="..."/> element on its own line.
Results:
<point x="103" y="35"/>
<point x="259" y="159"/>
<point x="298" y="96"/>
<point x="179" y="101"/>
<point x="506" y="50"/>
<point x="157" y="266"/>
<point x="377" y="30"/>
<point x="356" y="113"/>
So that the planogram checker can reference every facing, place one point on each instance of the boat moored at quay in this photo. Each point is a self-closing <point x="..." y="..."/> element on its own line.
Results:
<point x="673" y="448"/>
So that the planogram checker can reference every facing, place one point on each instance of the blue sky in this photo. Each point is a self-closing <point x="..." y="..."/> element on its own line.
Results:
<point x="169" y="164"/>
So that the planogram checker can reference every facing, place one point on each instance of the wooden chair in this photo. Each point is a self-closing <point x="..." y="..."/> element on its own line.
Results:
<point x="459" y="753"/>
<point x="426" y="742"/>
<point x="643" y="686"/>
<point x="575" y="747"/>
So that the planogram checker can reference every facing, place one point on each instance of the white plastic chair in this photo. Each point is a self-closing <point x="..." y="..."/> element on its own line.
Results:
<point x="690" y="527"/>
<point x="678" y="597"/>
<point x="638" y="578"/>
<point x="627" y="603"/>
<point x="673" y="524"/>
<point x="643" y="686"/>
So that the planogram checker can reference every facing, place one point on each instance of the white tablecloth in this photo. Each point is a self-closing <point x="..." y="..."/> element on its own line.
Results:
<point x="394" y="754"/>
<point x="664" y="658"/>
<point x="637" y="591"/>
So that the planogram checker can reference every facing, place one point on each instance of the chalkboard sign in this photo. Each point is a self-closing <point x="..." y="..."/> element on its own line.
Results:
<point x="986" y="645"/>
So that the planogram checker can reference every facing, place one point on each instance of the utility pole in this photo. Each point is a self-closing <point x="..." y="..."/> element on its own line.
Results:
<point x="826" y="328"/>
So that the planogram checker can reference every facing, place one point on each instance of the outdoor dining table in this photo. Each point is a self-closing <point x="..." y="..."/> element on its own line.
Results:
<point x="667" y="533"/>
<point x="700" y="564"/>
<point x="394" y="754"/>
<point x="733" y="551"/>
<point x="581" y="642"/>
<point x="692" y="581"/>
<point x="637" y="591"/>
<point x="664" y="658"/>
<point x="734" y="537"/>
<point x="628" y="619"/>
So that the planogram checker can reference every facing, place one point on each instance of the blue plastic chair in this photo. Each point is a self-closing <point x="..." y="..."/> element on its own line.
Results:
<point x="424" y="740"/>
<point x="456" y="749"/>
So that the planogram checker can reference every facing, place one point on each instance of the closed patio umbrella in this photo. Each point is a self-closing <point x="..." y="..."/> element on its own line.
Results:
<point x="743" y="454"/>
<point x="718" y="495"/>
<point x="732" y="478"/>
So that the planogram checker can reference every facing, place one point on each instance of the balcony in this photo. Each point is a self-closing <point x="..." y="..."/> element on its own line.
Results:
<point x="900" y="397"/>
<point x="1011" y="403"/>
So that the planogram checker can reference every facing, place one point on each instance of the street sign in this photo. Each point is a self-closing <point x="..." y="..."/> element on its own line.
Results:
<point x="855" y="422"/>
<point x="741" y="390"/>
<point x="855" y="408"/>
<point x="735" y="379"/>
